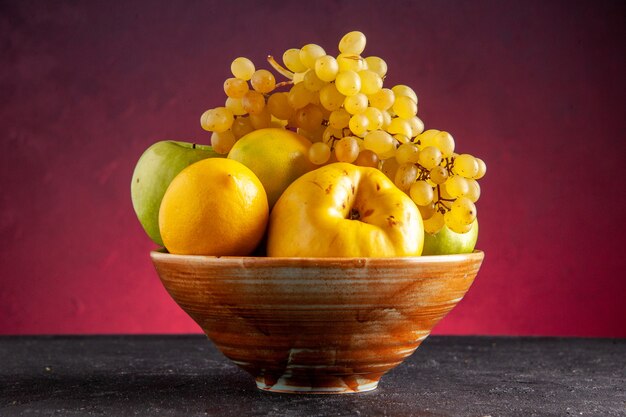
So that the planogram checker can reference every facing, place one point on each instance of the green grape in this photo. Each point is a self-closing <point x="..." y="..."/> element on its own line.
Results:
<point x="404" y="90"/>
<point x="407" y="153"/>
<point x="482" y="169"/>
<point x="466" y="165"/>
<point x="355" y="104"/>
<point x="441" y="192"/>
<point x="371" y="83"/>
<point x="445" y="142"/>
<point x="339" y="119"/>
<point x="376" y="64"/>
<point x="347" y="149"/>
<point x="386" y="119"/>
<point x="309" y="54"/>
<point x="319" y="153"/>
<point x="241" y="127"/>
<point x="315" y="99"/>
<point x="291" y="59"/>
<point x="326" y="68"/>
<point x="352" y="43"/>
<point x="330" y="98"/>
<point x="360" y="142"/>
<point x="456" y="186"/>
<point x="219" y="119"/>
<point x="309" y="117"/>
<point x="261" y="120"/>
<point x="378" y="141"/>
<point x="438" y="174"/>
<point x="383" y="99"/>
<point x="417" y="126"/>
<point x="473" y="192"/>
<point x="314" y="135"/>
<point x="331" y="135"/>
<point x="348" y="83"/>
<point x="391" y="153"/>
<point x="404" y="107"/>
<point x="389" y="167"/>
<point x="430" y="157"/>
<point x="279" y="107"/>
<point x="253" y="102"/>
<point x="367" y="158"/>
<point x="453" y="224"/>
<point x="427" y="211"/>
<point x="421" y="193"/>
<point x="235" y="87"/>
<point x="235" y="105"/>
<point x="399" y="126"/>
<point x="375" y="118"/>
<point x="463" y="210"/>
<point x="358" y="124"/>
<point x="242" y="68"/>
<point x="427" y="138"/>
<point x="434" y="224"/>
<point x="299" y="96"/>
<point x="350" y="62"/>
<point x="222" y="142"/>
<point x="405" y="176"/>
<point x="401" y="138"/>
<point x="312" y="82"/>
<point x="263" y="81"/>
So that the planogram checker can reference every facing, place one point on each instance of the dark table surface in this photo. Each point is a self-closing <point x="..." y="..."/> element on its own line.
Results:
<point x="187" y="376"/>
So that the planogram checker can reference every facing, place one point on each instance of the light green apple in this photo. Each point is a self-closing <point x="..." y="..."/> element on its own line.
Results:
<point x="447" y="242"/>
<point x="154" y="171"/>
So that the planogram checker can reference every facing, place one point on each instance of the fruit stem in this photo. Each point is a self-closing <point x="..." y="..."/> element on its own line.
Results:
<point x="284" y="71"/>
<point x="449" y="165"/>
<point x="441" y="207"/>
<point x="283" y="83"/>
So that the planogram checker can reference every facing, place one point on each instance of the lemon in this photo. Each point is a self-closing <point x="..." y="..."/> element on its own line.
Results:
<point x="277" y="156"/>
<point x="214" y="207"/>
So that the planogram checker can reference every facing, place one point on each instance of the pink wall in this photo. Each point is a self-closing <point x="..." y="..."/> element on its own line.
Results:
<point x="534" y="88"/>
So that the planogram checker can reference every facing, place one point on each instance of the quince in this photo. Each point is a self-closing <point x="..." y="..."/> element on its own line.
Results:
<point x="343" y="210"/>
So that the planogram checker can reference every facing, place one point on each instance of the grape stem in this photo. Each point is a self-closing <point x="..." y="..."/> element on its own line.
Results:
<point x="441" y="207"/>
<point x="333" y="139"/>
<point x="283" y="83"/>
<point x="279" y="68"/>
<point x="449" y="165"/>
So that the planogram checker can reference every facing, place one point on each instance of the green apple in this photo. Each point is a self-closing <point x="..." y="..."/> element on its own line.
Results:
<point x="447" y="242"/>
<point x="154" y="171"/>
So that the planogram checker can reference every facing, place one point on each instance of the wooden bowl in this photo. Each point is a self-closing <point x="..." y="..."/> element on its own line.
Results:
<point x="317" y="325"/>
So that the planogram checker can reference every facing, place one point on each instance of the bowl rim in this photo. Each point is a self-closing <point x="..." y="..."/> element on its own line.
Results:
<point x="267" y="261"/>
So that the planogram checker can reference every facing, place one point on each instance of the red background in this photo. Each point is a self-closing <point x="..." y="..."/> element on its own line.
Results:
<point x="534" y="88"/>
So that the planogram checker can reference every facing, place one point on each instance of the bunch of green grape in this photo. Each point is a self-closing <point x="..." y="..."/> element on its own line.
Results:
<point x="341" y="105"/>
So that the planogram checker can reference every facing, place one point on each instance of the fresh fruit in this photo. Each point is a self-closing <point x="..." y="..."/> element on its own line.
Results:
<point x="343" y="210"/>
<point x="328" y="99"/>
<point x="447" y="242"/>
<point x="214" y="207"/>
<point x="277" y="156"/>
<point x="154" y="171"/>
<point x="329" y="112"/>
